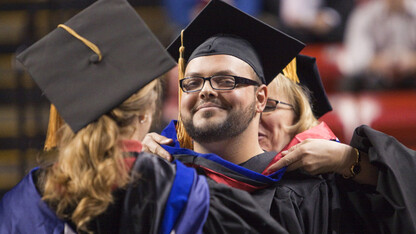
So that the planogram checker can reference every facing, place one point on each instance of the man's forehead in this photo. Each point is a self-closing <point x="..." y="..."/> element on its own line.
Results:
<point x="220" y="64"/>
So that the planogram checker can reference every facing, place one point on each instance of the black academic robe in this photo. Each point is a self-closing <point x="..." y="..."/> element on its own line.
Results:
<point x="389" y="207"/>
<point x="301" y="203"/>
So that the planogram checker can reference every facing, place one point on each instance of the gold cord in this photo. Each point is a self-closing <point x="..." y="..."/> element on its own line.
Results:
<point x="91" y="45"/>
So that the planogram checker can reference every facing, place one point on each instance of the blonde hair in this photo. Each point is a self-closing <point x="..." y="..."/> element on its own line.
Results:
<point x="299" y="97"/>
<point x="90" y="164"/>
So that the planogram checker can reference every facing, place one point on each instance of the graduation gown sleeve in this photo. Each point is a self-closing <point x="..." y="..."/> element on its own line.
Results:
<point x="390" y="207"/>
<point x="23" y="211"/>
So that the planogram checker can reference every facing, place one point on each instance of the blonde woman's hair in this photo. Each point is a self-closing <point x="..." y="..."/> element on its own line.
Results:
<point x="90" y="164"/>
<point x="299" y="97"/>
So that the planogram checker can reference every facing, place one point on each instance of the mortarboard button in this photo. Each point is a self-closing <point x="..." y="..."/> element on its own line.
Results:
<point x="94" y="58"/>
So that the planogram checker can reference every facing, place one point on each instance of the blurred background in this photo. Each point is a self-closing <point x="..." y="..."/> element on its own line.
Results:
<point x="365" y="50"/>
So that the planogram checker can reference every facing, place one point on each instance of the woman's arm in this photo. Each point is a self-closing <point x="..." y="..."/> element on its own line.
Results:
<point x="317" y="156"/>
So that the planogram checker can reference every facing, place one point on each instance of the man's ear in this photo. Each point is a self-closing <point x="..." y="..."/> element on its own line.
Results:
<point x="261" y="97"/>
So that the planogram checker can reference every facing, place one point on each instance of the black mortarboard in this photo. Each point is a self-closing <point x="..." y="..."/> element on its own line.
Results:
<point x="270" y="50"/>
<point x="77" y="80"/>
<point x="308" y="74"/>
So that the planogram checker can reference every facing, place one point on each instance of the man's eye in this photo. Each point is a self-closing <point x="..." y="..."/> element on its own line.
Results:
<point x="225" y="82"/>
<point x="192" y="83"/>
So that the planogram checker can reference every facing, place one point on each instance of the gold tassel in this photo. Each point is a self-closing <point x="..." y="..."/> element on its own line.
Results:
<point x="184" y="139"/>
<point x="290" y="71"/>
<point x="55" y="122"/>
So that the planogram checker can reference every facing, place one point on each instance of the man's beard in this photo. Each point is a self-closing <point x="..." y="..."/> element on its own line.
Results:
<point x="235" y="123"/>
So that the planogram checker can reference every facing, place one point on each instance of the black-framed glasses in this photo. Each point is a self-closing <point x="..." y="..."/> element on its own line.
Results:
<point x="217" y="82"/>
<point x="271" y="105"/>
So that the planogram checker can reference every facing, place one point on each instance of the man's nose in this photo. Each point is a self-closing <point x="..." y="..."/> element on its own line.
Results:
<point x="207" y="90"/>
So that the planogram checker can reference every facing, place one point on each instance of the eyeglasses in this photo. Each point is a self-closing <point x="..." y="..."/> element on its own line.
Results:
<point x="271" y="105"/>
<point x="217" y="82"/>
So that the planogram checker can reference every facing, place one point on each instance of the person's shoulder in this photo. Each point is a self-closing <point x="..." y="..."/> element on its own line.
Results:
<point x="23" y="211"/>
<point x="147" y="162"/>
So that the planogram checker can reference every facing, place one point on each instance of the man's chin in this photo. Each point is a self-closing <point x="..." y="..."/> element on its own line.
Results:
<point x="208" y="118"/>
<point x="207" y="123"/>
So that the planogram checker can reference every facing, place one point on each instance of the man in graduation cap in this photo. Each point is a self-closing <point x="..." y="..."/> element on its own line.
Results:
<point x="231" y="57"/>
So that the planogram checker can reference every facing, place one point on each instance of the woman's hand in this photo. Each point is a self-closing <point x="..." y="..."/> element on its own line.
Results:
<point x="151" y="144"/>
<point x="317" y="156"/>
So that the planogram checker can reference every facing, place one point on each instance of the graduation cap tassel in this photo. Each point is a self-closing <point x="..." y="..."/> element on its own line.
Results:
<point x="290" y="71"/>
<point x="184" y="139"/>
<point x="55" y="122"/>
